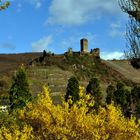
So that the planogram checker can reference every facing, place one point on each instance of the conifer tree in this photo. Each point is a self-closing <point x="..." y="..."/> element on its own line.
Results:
<point x="122" y="97"/>
<point x="94" y="89"/>
<point x="19" y="93"/>
<point x="72" y="89"/>
<point x="135" y="93"/>
<point x="110" y="94"/>
<point x="44" y="53"/>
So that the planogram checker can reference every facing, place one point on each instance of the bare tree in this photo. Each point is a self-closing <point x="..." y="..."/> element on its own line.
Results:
<point x="132" y="7"/>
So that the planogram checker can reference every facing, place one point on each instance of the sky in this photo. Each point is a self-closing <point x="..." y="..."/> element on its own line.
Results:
<point x="56" y="25"/>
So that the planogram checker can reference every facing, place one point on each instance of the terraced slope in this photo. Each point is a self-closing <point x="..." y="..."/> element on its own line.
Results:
<point x="51" y="76"/>
<point x="55" y="71"/>
<point x="125" y="68"/>
<point x="10" y="62"/>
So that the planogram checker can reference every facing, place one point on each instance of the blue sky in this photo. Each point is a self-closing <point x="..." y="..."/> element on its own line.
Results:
<point x="56" y="25"/>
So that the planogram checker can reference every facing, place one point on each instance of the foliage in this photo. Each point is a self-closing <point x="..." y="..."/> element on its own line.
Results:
<point x="44" y="120"/>
<point x="110" y="94"/>
<point x="135" y="92"/>
<point x="72" y="90"/>
<point x="4" y="5"/>
<point x="19" y="93"/>
<point x="94" y="89"/>
<point x="44" y="53"/>
<point x="122" y="97"/>
<point x="11" y="129"/>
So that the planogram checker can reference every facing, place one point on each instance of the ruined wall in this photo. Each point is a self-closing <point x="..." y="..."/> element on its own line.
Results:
<point x="95" y="52"/>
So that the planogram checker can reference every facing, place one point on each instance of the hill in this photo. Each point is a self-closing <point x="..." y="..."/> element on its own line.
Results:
<point x="55" y="70"/>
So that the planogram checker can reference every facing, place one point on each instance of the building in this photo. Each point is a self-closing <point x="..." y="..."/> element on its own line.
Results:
<point x="84" y="45"/>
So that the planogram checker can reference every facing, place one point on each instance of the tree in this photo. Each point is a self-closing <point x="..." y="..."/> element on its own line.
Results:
<point x="4" y="5"/>
<point x="122" y="97"/>
<point x="19" y="93"/>
<point x="110" y="94"/>
<point x="135" y="93"/>
<point x="94" y="89"/>
<point x="43" y="120"/>
<point x="133" y="43"/>
<point x="132" y="53"/>
<point x="72" y="90"/>
<point x="44" y="53"/>
<point x="131" y="7"/>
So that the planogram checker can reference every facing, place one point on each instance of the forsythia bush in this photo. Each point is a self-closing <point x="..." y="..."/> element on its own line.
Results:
<point x="42" y="119"/>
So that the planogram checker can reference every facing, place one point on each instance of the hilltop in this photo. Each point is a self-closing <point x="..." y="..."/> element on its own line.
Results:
<point x="54" y="70"/>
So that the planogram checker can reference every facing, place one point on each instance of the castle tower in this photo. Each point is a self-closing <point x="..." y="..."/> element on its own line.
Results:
<point x="84" y="45"/>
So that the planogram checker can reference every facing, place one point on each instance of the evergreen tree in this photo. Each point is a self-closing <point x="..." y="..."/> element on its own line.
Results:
<point x="72" y="89"/>
<point x="44" y="53"/>
<point x="94" y="89"/>
<point x="110" y="94"/>
<point x="122" y="97"/>
<point x="135" y="93"/>
<point x="19" y="93"/>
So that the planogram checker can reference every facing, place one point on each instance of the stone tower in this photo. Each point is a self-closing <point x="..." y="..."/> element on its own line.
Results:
<point x="84" y="45"/>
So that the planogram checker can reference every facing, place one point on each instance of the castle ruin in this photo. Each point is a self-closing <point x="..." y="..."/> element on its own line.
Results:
<point x="84" y="45"/>
<point x="84" y="49"/>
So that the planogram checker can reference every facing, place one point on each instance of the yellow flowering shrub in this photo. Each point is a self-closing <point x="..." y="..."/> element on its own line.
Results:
<point x="15" y="133"/>
<point x="44" y="120"/>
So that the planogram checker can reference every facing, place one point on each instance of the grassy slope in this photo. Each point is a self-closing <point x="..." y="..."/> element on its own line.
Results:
<point x="125" y="68"/>
<point x="58" y="69"/>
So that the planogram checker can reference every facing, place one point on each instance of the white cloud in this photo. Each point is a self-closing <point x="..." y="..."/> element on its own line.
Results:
<point x="8" y="46"/>
<point x="36" y="3"/>
<point x="75" y="12"/>
<point x="112" y="55"/>
<point x="116" y="30"/>
<point x="42" y="44"/>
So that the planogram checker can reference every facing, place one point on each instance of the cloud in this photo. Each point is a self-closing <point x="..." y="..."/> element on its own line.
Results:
<point x="8" y="46"/>
<point x="116" y="30"/>
<point x="36" y="3"/>
<point x="76" y="12"/>
<point x="112" y="55"/>
<point x="42" y="44"/>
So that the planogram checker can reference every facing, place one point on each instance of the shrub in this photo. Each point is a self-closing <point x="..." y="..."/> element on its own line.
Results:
<point x="42" y="119"/>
